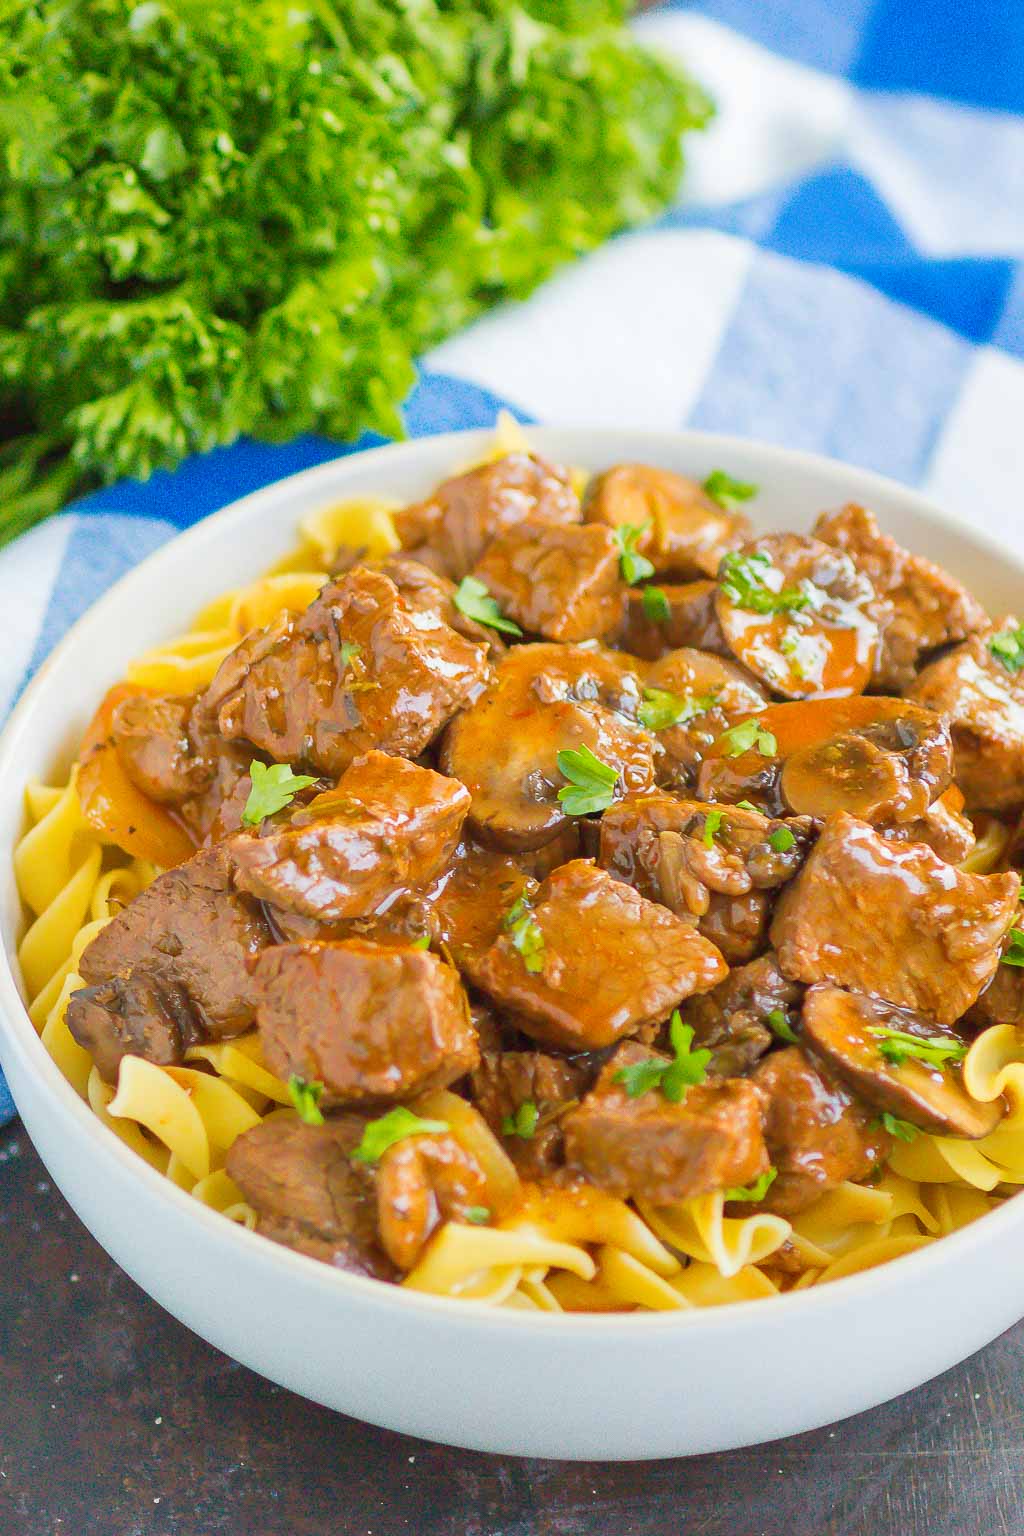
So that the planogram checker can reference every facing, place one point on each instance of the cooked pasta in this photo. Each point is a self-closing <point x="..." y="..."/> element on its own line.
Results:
<point x="505" y="1229"/>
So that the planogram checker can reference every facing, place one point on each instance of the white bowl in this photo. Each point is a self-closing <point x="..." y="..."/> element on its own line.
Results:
<point x="594" y="1387"/>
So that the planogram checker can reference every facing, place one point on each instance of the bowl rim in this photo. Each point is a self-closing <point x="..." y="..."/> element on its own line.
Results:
<point x="297" y="1268"/>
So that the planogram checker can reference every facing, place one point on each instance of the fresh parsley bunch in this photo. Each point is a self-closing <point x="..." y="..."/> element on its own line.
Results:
<point x="249" y="216"/>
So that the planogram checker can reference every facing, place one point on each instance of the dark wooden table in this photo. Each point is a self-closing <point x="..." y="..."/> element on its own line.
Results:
<point x="116" y="1421"/>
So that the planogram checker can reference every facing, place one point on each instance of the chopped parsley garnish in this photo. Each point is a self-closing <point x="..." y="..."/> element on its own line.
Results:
<point x="1008" y="647"/>
<point x="746" y="736"/>
<point x="393" y="1127"/>
<point x="591" y="785"/>
<point x="745" y="805"/>
<point x="661" y="709"/>
<point x="526" y="936"/>
<point x="350" y="651"/>
<point x="726" y="491"/>
<point x="305" y="1095"/>
<point x="673" y="1077"/>
<point x="742" y="579"/>
<point x="423" y="942"/>
<point x="896" y="1045"/>
<point x="477" y="1215"/>
<point x="656" y="605"/>
<point x="781" y="840"/>
<point x="633" y="566"/>
<point x="523" y="1122"/>
<point x="781" y="1027"/>
<point x="712" y="824"/>
<point x="272" y="789"/>
<point x="473" y="599"/>
<point x="901" y="1129"/>
<point x="1014" y="954"/>
<point x="756" y="1191"/>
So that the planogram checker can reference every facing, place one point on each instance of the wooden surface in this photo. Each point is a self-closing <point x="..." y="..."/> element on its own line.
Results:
<point x="116" y="1421"/>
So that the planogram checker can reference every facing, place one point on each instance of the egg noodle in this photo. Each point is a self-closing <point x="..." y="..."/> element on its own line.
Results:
<point x="583" y="1251"/>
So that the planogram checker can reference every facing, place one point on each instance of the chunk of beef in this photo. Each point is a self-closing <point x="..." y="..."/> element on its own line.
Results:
<point x="738" y="925"/>
<point x="872" y="1045"/>
<point x="427" y="591"/>
<point x="894" y="920"/>
<point x="943" y="827"/>
<point x="309" y="1193"/>
<point x="1002" y="1001"/>
<point x="462" y="516"/>
<point x="732" y="1019"/>
<point x="982" y="696"/>
<point x="818" y="1134"/>
<point x="371" y="1023"/>
<point x="506" y="1080"/>
<point x="544" y="699"/>
<point x="150" y="732"/>
<point x="684" y="531"/>
<point x="651" y="1149"/>
<point x="658" y="619"/>
<point x="357" y="670"/>
<point x="137" y="1015"/>
<point x="593" y="961"/>
<point x="800" y="615"/>
<point x="929" y="607"/>
<point x="193" y="931"/>
<point x="705" y="693"/>
<point x="388" y="825"/>
<point x="559" y="581"/>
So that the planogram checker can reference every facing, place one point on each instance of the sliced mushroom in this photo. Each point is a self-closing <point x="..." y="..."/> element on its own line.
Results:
<point x="704" y="693"/>
<point x="800" y="615"/>
<point x="683" y="531"/>
<point x="840" y="1026"/>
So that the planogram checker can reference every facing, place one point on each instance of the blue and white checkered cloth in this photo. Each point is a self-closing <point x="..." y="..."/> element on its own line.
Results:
<point x="845" y="273"/>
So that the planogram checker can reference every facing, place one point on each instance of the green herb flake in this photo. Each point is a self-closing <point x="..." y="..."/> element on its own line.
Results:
<point x="687" y="1070"/>
<point x="640" y="1077"/>
<point x="712" y="825"/>
<point x="661" y="710"/>
<point x="745" y="805"/>
<point x="422" y="942"/>
<point x="526" y="935"/>
<point x="591" y="784"/>
<point x="1008" y="648"/>
<point x="523" y="1123"/>
<point x="305" y="1096"/>
<point x="781" y="1027"/>
<point x="1014" y="952"/>
<point x="755" y="1192"/>
<point x="897" y="1046"/>
<point x="272" y="789"/>
<point x="656" y="605"/>
<point x="743" y="580"/>
<point x="395" y="1126"/>
<point x="726" y="491"/>
<point x="747" y="736"/>
<point x="633" y="566"/>
<point x="781" y="840"/>
<point x="477" y="1215"/>
<point x="473" y="599"/>
<point x="901" y="1129"/>
<point x="350" y="652"/>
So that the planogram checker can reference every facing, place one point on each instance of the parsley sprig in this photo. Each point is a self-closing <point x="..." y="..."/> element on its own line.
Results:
<point x="395" y="1126"/>
<point x="897" y="1046"/>
<point x="901" y="1129"/>
<point x="742" y="579"/>
<point x="525" y="933"/>
<point x="272" y="789"/>
<point x="1014" y="952"/>
<point x="753" y="1192"/>
<point x="633" y="566"/>
<point x="687" y="1070"/>
<point x="305" y="1095"/>
<point x="591" y="785"/>
<point x="728" y="493"/>
<point x="1008" y="647"/>
<point x="474" y="600"/>
<point x="522" y="1122"/>
<point x="712" y="826"/>
<point x="661" y="709"/>
<point x="746" y="736"/>
<point x="781" y="840"/>
<point x="656" y="605"/>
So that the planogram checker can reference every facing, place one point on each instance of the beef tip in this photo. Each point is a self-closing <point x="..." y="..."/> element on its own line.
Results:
<point x="309" y="1193"/>
<point x="544" y="698"/>
<point x="389" y="824"/>
<point x="738" y="925"/>
<point x="559" y="581"/>
<point x="506" y="1080"/>
<point x="1002" y="1001"/>
<point x="652" y="1149"/>
<point x="800" y="615"/>
<point x="855" y="1034"/>
<point x="658" y="619"/>
<point x="423" y="1181"/>
<point x="590" y="960"/>
<point x="818" y="1134"/>
<point x="732" y="1020"/>
<point x="150" y="732"/>
<point x="979" y="687"/>
<point x="684" y="531"/>
<point x="892" y="919"/>
<point x="371" y="1023"/>
<point x="929" y="608"/>
<point x="943" y="827"/>
<point x="702" y="694"/>
<point x="191" y="930"/>
<point x="427" y="591"/>
<point x="356" y="671"/>
<point x="462" y="516"/>
<point x="884" y="760"/>
<point x="137" y="1015"/>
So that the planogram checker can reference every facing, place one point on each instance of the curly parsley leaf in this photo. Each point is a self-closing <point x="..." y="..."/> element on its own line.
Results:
<point x="1008" y="647"/>
<point x="687" y="1069"/>
<point x="633" y="566"/>
<point x="728" y="493"/>
<point x="473" y="599"/>
<point x="1014" y="952"/>
<point x="743" y="579"/>
<point x="661" y="709"/>
<point x="523" y="1122"/>
<point x="305" y="1096"/>
<point x="753" y="1192"/>
<point x="395" y="1126"/>
<point x="656" y="605"/>
<point x="747" y="736"/>
<point x="901" y="1129"/>
<point x="591" y="785"/>
<point x="272" y="789"/>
